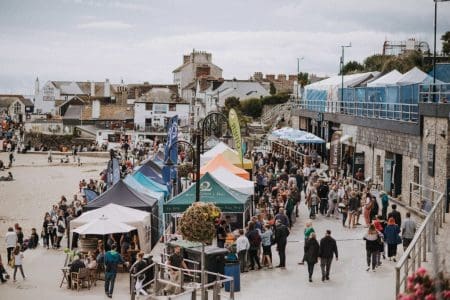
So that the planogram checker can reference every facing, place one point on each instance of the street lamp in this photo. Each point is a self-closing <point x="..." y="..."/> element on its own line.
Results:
<point x="342" y="69"/>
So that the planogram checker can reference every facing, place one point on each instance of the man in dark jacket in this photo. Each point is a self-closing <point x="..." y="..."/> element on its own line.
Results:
<point x="311" y="253"/>
<point x="396" y="215"/>
<point x="328" y="247"/>
<point x="322" y="192"/>
<point x="75" y="267"/>
<point x="281" y="234"/>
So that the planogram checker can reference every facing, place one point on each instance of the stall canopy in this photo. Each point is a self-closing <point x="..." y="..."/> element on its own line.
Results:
<point x="414" y="76"/>
<point x="122" y="194"/>
<point x="104" y="226"/>
<point x="132" y="217"/>
<point x="152" y="170"/>
<point x="217" y="149"/>
<point x="147" y="183"/>
<point x="309" y="138"/>
<point x="233" y="157"/>
<point x="211" y="191"/>
<point x="235" y="182"/>
<point x="388" y="79"/>
<point x="220" y="161"/>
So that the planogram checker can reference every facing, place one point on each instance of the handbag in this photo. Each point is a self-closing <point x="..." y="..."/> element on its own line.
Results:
<point x="12" y="262"/>
<point x="398" y="239"/>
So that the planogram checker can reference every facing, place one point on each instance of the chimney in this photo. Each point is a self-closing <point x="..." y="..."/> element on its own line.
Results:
<point x="92" y="88"/>
<point x="292" y="77"/>
<point x="270" y="77"/>
<point x="136" y="93"/>
<point x="258" y="76"/>
<point x="186" y="58"/>
<point x="107" y="89"/>
<point x="281" y="77"/>
<point x="95" y="109"/>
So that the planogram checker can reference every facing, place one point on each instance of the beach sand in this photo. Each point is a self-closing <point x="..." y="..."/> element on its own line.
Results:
<point x="36" y="187"/>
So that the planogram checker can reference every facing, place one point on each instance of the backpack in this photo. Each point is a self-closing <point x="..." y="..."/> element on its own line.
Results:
<point x="255" y="241"/>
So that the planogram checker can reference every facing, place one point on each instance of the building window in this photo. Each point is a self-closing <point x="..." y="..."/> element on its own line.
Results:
<point x="160" y="108"/>
<point x="148" y="106"/>
<point x="172" y="107"/>
<point x="17" y="108"/>
<point x="416" y="177"/>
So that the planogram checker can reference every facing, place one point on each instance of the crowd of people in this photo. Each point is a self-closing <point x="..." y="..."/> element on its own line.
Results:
<point x="280" y="182"/>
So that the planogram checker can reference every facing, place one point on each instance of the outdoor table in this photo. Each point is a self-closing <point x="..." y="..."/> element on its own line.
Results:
<point x="65" y="270"/>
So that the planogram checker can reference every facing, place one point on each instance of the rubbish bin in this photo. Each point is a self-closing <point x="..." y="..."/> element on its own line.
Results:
<point x="233" y="269"/>
<point x="214" y="259"/>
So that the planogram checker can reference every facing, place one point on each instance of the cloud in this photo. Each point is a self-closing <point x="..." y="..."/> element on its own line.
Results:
<point x="106" y="25"/>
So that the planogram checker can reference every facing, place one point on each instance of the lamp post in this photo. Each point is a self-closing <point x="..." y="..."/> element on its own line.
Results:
<point x="211" y="123"/>
<point x="342" y="69"/>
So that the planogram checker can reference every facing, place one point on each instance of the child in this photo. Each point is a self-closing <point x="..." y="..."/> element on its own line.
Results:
<point x="18" y="258"/>
<point x="34" y="239"/>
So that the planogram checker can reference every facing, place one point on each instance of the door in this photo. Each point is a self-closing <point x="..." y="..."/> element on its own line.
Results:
<point x="388" y="163"/>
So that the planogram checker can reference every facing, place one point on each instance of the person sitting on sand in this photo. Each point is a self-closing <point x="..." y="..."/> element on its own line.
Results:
<point x="65" y="160"/>
<point x="7" y="178"/>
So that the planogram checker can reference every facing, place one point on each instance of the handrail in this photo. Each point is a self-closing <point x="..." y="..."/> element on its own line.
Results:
<point x="159" y="268"/>
<point x="424" y="241"/>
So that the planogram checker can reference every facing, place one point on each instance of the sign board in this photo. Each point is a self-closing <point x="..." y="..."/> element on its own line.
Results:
<point x="431" y="153"/>
<point x="335" y="151"/>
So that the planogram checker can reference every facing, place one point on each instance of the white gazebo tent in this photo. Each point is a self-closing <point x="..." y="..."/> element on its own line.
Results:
<point x="233" y="181"/>
<point x="390" y="78"/>
<point x="216" y="150"/>
<point x="129" y="216"/>
<point x="104" y="226"/>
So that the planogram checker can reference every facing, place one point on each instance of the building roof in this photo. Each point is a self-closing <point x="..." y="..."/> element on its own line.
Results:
<point x="162" y="94"/>
<point x="83" y="87"/>
<point x="73" y="112"/>
<point x="7" y="100"/>
<point x="242" y="89"/>
<point x="109" y="112"/>
<point x="387" y="79"/>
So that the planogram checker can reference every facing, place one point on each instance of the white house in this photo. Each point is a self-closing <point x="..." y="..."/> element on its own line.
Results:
<point x="157" y="105"/>
<point x="16" y="106"/>
<point x="195" y="65"/>
<point x="211" y="94"/>
<point x="54" y="93"/>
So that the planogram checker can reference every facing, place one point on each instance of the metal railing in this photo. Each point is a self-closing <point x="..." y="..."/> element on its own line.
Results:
<point x="274" y="112"/>
<point x="288" y="151"/>
<point x="160" y="281"/>
<point x="434" y="93"/>
<point x="377" y="110"/>
<point x="424" y="240"/>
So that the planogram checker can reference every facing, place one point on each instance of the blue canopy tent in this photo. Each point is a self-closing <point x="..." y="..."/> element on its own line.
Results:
<point x="151" y="170"/>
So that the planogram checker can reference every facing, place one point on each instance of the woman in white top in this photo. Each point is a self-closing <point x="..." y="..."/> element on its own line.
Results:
<point x="18" y="258"/>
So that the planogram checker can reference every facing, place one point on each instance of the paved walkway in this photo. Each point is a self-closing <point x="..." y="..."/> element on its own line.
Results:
<point x="348" y="279"/>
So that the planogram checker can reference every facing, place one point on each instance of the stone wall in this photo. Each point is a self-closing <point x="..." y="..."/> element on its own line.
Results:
<point x="435" y="132"/>
<point x="400" y="143"/>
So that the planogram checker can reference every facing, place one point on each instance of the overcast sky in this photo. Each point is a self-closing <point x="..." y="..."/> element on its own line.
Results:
<point x="144" y="40"/>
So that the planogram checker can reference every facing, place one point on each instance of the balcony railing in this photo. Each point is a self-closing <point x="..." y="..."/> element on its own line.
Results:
<point x="434" y="93"/>
<point x="376" y="110"/>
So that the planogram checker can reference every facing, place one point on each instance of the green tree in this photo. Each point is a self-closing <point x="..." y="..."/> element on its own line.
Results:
<point x="446" y="43"/>
<point x="403" y="63"/>
<point x="272" y="90"/>
<point x="232" y="102"/>
<point x="252" y="107"/>
<point x="275" y="99"/>
<point x="303" y="78"/>
<point x="375" y="62"/>
<point x="352" y="67"/>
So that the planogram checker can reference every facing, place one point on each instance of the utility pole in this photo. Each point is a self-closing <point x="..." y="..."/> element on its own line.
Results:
<point x="342" y="68"/>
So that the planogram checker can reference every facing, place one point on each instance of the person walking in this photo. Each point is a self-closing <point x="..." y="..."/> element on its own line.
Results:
<point x="327" y="248"/>
<point x="396" y="215"/>
<point x="408" y="231"/>
<point x="368" y="204"/>
<point x="307" y="233"/>
<point x="322" y="192"/>
<point x="281" y="234"/>
<point x="11" y="242"/>
<point x="242" y="246"/>
<point x="312" y="249"/>
<point x="60" y="230"/>
<point x="255" y="243"/>
<point x="333" y="199"/>
<point x="392" y="237"/>
<point x="384" y="204"/>
<point x="18" y="258"/>
<point x="112" y="259"/>
<point x="372" y="239"/>
<point x="266" y="241"/>
<point x="353" y="209"/>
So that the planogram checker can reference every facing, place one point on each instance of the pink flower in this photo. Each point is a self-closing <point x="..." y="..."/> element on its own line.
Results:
<point x="410" y="285"/>
<point x="446" y="294"/>
<point x="419" y="292"/>
<point x="430" y="297"/>
<point x="421" y="271"/>
<point x="405" y="297"/>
